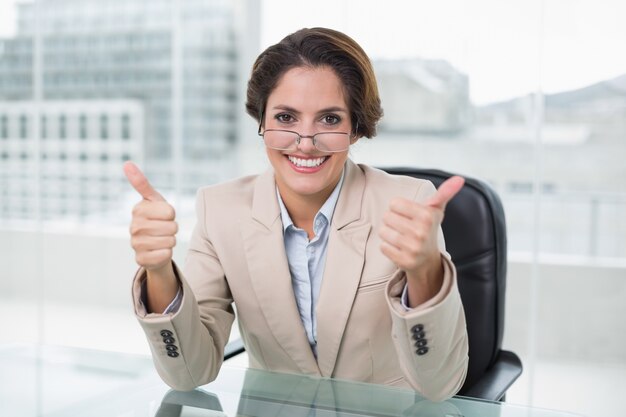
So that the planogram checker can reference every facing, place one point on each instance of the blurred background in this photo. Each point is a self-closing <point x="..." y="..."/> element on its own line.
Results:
<point x="529" y="96"/>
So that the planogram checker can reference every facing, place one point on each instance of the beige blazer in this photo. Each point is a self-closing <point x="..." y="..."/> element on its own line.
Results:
<point x="237" y="254"/>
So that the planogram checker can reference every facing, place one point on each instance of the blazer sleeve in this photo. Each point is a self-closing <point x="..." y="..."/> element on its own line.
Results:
<point x="431" y="339"/>
<point x="188" y="346"/>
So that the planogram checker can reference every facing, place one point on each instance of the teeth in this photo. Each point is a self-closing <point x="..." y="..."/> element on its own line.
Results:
<point x="308" y="163"/>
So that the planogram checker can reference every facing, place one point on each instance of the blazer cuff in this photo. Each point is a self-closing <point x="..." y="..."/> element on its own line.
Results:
<point x="397" y="290"/>
<point x="139" y="295"/>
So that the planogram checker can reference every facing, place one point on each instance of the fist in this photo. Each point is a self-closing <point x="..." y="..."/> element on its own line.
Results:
<point x="153" y="227"/>
<point x="409" y="231"/>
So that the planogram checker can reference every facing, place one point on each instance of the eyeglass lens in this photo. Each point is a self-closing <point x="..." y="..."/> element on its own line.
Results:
<point x="325" y="142"/>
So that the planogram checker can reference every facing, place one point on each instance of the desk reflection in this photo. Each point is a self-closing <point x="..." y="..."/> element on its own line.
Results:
<point x="280" y="395"/>
<point x="45" y="381"/>
<point x="187" y="404"/>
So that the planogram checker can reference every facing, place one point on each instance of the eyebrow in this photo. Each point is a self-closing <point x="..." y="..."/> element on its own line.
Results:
<point x="295" y="111"/>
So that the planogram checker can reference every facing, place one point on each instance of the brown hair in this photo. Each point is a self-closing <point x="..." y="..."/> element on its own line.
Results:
<point x="318" y="47"/>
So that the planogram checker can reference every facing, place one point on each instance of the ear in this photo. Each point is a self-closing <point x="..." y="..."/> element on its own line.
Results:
<point x="354" y="138"/>
<point x="261" y="120"/>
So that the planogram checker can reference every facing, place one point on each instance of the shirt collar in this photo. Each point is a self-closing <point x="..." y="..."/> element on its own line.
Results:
<point x="326" y="210"/>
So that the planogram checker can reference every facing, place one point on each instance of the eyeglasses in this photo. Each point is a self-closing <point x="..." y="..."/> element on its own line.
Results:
<point x="286" y="140"/>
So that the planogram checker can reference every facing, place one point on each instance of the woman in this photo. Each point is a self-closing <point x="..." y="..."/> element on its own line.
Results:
<point x="336" y="269"/>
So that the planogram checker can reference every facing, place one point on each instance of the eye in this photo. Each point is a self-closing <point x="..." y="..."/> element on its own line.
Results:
<point x="284" y="117"/>
<point x="331" y="119"/>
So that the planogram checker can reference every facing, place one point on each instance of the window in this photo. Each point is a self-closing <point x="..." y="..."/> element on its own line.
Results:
<point x="455" y="97"/>
<point x="520" y="187"/>
<point x="104" y="127"/>
<point x="63" y="127"/>
<point x="82" y="127"/>
<point x="23" y="127"/>
<point x="44" y="126"/>
<point x="125" y="127"/>
<point x="4" y="126"/>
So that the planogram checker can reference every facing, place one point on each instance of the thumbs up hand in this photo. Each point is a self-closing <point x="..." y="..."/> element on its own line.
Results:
<point x="409" y="238"/>
<point x="152" y="229"/>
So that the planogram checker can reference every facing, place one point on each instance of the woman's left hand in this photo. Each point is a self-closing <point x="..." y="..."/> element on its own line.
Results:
<point x="409" y="237"/>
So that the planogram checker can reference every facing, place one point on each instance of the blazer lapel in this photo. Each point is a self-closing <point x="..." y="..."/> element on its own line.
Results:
<point x="269" y="273"/>
<point x="342" y="273"/>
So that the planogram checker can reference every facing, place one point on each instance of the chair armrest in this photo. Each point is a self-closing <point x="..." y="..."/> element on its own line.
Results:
<point x="234" y="348"/>
<point x="498" y="378"/>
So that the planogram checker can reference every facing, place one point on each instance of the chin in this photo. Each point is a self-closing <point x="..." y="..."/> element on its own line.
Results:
<point x="306" y="187"/>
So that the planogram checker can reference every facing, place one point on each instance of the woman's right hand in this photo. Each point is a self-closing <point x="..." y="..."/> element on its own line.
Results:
<point x="153" y="236"/>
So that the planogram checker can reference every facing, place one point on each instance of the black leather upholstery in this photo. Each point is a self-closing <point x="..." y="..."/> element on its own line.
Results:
<point x="475" y="234"/>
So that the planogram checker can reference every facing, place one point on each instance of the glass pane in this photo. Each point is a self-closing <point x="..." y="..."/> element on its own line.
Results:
<point x="149" y="81"/>
<point x="20" y="244"/>
<point x="583" y="199"/>
<point x="528" y="96"/>
<point x="584" y="130"/>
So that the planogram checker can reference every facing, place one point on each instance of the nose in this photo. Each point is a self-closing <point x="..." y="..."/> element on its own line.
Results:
<point x="306" y="144"/>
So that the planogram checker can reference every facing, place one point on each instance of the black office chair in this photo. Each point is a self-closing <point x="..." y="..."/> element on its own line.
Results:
<point x="475" y="235"/>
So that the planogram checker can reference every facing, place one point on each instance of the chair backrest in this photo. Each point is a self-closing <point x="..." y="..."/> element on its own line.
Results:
<point x="475" y="234"/>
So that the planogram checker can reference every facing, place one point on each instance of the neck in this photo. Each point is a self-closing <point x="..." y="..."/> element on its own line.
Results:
<point x="303" y="208"/>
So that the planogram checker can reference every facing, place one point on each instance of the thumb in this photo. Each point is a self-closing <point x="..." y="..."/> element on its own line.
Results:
<point x="446" y="191"/>
<point x="140" y="182"/>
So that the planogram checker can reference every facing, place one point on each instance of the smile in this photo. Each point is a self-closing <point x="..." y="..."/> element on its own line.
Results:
<point x="307" y="163"/>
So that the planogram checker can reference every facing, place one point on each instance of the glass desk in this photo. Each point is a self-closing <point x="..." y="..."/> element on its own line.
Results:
<point x="41" y="381"/>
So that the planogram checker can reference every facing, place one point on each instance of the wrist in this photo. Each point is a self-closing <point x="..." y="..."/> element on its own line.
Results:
<point x="424" y="282"/>
<point x="160" y="272"/>
<point x="161" y="287"/>
<point x="430" y="271"/>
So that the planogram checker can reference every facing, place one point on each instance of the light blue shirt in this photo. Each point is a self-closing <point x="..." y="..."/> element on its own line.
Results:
<point x="307" y="258"/>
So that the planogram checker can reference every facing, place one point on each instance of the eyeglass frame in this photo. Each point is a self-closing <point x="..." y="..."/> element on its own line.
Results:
<point x="300" y="137"/>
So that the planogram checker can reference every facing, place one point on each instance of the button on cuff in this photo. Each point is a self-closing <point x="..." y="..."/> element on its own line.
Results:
<point x="417" y="328"/>
<point x="422" y="351"/>
<point x="418" y="335"/>
<point x="420" y="343"/>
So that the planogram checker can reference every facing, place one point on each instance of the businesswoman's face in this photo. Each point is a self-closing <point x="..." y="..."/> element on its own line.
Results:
<point x="308" y="101"/>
